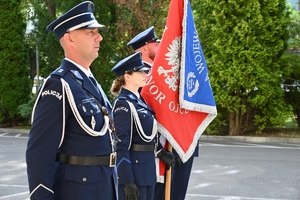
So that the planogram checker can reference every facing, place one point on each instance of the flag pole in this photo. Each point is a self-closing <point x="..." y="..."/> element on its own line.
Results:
<point x="168" y="178"/>
<point x="169" y="172"/>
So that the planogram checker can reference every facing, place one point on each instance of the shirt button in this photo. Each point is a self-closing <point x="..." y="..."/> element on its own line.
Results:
<point x="136" y="161"/>
<point x="84" y="179"/>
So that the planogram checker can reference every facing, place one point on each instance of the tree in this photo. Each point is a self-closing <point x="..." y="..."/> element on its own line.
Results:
<point x="51" y="53"/>
<point x="133" y="17"/>
<point x="291" y="65"/>
<point x="243" y="42"/>
<point x="123" y="20"/>
<point x="15" y="84"/>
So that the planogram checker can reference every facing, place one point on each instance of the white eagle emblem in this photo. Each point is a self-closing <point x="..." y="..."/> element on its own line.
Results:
<point x="173" y="56"/>
<point x="172" y="75"/>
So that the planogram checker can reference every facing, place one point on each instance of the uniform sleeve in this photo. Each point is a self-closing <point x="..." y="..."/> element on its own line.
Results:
<point x="123" y="125"/>
<point x="44" y="139"/>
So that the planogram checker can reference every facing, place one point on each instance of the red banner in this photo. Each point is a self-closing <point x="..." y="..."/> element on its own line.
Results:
<point x="181" y="127"/>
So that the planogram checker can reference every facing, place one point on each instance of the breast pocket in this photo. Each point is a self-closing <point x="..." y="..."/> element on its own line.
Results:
<point x="144" y="114"/>
<point x="88" y="107"/>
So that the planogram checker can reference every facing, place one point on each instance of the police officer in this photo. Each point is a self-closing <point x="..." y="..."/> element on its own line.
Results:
<point x="137" y="129"/>
<point x="71" y="150"/>
<point x="148" y="43"/>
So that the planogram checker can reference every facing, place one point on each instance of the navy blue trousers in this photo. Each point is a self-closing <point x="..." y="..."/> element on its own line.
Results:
<point x="179" y="182"/>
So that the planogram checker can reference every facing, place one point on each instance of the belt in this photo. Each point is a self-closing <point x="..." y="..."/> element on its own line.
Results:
<point x="97" y="160"/>
<point x="140" y="147"/>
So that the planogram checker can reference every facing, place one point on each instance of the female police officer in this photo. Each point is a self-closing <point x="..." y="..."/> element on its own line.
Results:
<point x="137" y="129"/>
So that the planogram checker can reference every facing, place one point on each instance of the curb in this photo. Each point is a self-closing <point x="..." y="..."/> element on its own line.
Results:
<point x="11" y="130"/>
<point x="247" y="139"/>
<point x="207" y="138"/>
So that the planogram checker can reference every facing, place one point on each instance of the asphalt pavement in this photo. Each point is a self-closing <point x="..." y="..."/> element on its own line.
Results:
<point x="228" y="168"/>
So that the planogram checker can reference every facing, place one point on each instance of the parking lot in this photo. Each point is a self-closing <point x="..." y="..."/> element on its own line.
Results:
<point x="224" y="170"/>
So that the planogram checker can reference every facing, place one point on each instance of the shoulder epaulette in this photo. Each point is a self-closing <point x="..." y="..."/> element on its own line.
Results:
<point x="131" y="97"/>
<point x="122" y="98"/>
<point x="76" y="74"/>
<point x="59" y="72"/>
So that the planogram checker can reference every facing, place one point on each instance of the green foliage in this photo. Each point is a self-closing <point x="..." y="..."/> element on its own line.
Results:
<point x="50" y="51"/>
<point x="25" y="110"/>
<point x="243" y="42"/>
<point x="133" y="17"/>
<point x="290" y="63"/>
<point x="15" y="85"/>
<point x="123" y="20"/>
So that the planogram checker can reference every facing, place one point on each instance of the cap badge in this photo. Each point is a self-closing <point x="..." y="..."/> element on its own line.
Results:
<point x="89" y="7"/>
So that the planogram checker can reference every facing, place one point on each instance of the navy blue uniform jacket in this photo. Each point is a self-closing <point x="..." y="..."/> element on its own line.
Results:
<point x="134" y="166"/>
<point x="55" y="129"/>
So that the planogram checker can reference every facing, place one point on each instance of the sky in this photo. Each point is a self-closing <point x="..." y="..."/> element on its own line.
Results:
<point x="294" y="3"/>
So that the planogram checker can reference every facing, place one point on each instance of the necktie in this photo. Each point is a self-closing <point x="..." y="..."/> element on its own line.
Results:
<point x="94" y="83"/>
<point x="97" y="88"/>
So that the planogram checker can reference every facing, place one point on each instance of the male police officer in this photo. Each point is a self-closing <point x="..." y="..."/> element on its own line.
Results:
<point x="71" y="151"/>
<point x="148" y="43"/>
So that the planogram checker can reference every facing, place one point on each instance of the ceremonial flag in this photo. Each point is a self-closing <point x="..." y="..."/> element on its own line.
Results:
<point x="178" y="88"/>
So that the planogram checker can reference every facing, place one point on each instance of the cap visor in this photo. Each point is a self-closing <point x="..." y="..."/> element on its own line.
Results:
<point x="96" y="25"/>
<point x="143" y="69"/>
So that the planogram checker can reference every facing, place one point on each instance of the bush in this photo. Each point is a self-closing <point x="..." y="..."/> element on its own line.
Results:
<point x="25" y="110"/>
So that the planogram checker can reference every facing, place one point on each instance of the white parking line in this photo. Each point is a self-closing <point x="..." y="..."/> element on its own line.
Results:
<point x="230" y="197"/>
<point x="18" y="135"/>
<point x="3" y="134"/>
<point x="18" y="186"/>
<point x="10" y="136"/>
<point x="13" y="195"/>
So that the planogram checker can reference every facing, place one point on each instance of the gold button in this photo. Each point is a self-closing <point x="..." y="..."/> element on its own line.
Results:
<point x="84" y="179"/>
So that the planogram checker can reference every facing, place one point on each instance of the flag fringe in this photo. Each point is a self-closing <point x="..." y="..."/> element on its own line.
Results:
<point x="198" y="107"/>
<point x="188" y="105"/>
<point x="184" y="156"/>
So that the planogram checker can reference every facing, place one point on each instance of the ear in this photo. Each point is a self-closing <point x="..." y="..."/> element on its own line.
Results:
<point x="68" y="37"/>
<point x="144" y="49"/>
<point x="127" y="77"/>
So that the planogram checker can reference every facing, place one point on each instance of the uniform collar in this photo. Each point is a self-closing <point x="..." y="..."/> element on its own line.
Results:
<point x="135" y="93"/>
<point x="88" y="72"/>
